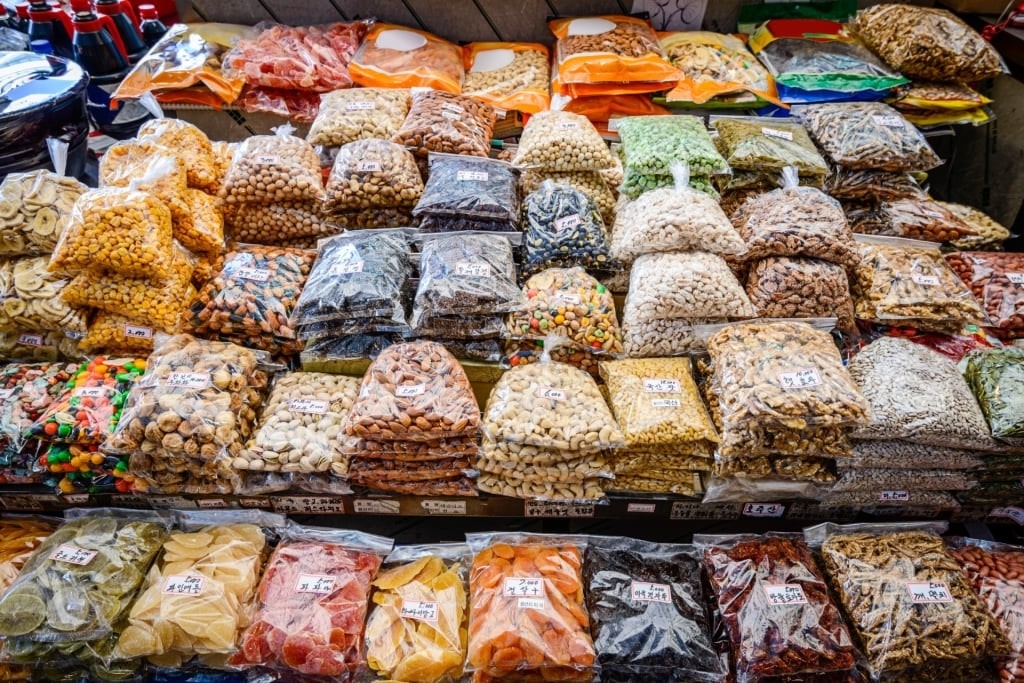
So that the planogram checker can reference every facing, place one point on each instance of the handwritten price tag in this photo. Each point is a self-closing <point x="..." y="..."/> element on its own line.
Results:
<point x="444" y="507"/>
<point x="480" y="176"/>
<point x="472" y="269"/>
<point x="368" y="166"/>
<point x="184" y="584"/>
<point x="314" y="583"/>
<point x="662" y="386"/>
<point x="553" y="394"/>
<point x="801" y="379"/>
<point x="776" y="133"/>
<point x="567" y="222"/>
<point x="523" y="588"/>
<point x="267" y="159"/>
<point x="763" y="510"/>
<point x="1014" y="513"/>
<point x="926" y="592"/>
<point x="926" y="280"/>
<point x="785" y="594"/>
<point x="894" y="496"/>
<point x="72" y="554"/>
<point x="347" y="267"/>
<point x="188" y="380"/>
<point x="138" y="332"/>
<point x="641" y="591"/>
<point x="889" y="121"/>
<point x="1015" y="278"/>
<point x="30" y="339"/>
<point x="90" y="392"/>
<point x="307" y="405"/>
<point x="254" y="274"/>
<point x="410" y="390"/>
<point x="420" y="611"/>
<point x="666" y="403"/>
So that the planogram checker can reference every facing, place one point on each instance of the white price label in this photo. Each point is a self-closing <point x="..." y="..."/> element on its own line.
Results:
<point x="212" y="503"/>
<point x="549" y="393"/>
<point x="188" y="380"/>
<point x="523" y="587"/>
<point x="926" y="280"/>
<point x="184" y="584"/>
<point x="889" y="121"/>
<point x="481" y="176"/>
<point x="255" y="274"/>
<point x="894" y="496"/>
<point x="666" y="403"/>
<point x="451" y="116"/>
<point x="533" y="603"/>
<point x="662" y="386"/>
<point x="1014" y="513"/>
<point x="6" y="393"/>
<point x="315" y="583"/>
<point x="309" y="505"/>
<point x="360" y="106"/>
<point x="785" y="594"/>
<point x="567" y="222"/>
<point x="763" y="510"/>
<point x="72" y="554"/>
<point x="926" y="592"/>
<point x="90" y="392"/>
<point x="444" y="507"/>
<point x="25" y="339"/>
<point x="308" y="405"/>
<point x="641" y="591"/>
<point x="1015" y="278"/>
<point x="419" y="611"/>
<point x="76" y="498"/>
<point x="453" y="108"/>
<point x="377" y="507"/>
<point x="267" y="159"/>
<point x="571" y="125"/>
<point x="138" y="332"/>
<point x="568" y="298"/>
<point x="932" y="214"/>
<point x="368" y="166"/>
<point x="472" y="269"/>
<point x="776" y="133"/>
<point x="410" y="390"/>
<point x="801" y="379"/>
<point x="558" y="509"/>
<point x="347" y="268"/>
<point x="645" y="508"/>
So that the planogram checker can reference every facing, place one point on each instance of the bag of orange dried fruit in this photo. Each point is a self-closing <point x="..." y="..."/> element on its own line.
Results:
<point x="416" y="632"/>
<point x="528" y="621"/>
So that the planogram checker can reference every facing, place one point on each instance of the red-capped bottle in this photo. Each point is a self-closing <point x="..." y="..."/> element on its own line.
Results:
<point x="96" y="45"/>
<point x="127" y="26"/>
<point x="46" y="22"/>
<point x="152" y="28"/>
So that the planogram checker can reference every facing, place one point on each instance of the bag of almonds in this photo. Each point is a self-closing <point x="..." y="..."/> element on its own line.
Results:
<point x="274" y="168"/>
<point x="369" y="174"/>
<point x="443" y="122"/>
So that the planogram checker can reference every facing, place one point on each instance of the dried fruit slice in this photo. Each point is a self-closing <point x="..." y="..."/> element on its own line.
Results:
<point x="21" y="613"/>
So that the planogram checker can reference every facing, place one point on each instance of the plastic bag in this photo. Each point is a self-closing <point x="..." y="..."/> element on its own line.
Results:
<point x="117" y="334"/>
<point x="443" y="122"/>
<point x="312" y="58"/>
<point x="30" y="298"/>
<point x="374" y="219"/>
<point x="868" y="185"/>
<point x="743" y="490"/>
<point x="400" y="57"/>
<point x="189" y="144"/>
<point x="563" y="229"/>
<point x="18" y="538"/>
<point x="775" y="467"/>
<point x="798" y="287"/>
<point x="590" y="183"/>
<point x="651" y="144"/>
<point x="996" y="377"/>
<point x="659" y="338"/>
<point x="69" y="600"/>
<point x="918" y="395"/>
<point x="717" y="68"/>
<point x="907" y="601"/>
<point x="927" y="43"/>
<point x="483" y="350"/>
<point x="280" y="222"/>
<point x="923" y="219"/>
<point x="34" y="211"/>
<point x="997" y="282"/>
<point x="198" y="598"/>
<point x="358" y="114"/>
<point x="609" y="48"/>
<point x="748" y="144"/>
<point x="908" y="456"/>
<point x="527" y="617"/>
<point x="906" y="282"/>
<point x="562" y="141"/>
<point x="369" y="174"/>
<point x="466" y="274"/>
<point x="38" y="345"/>
<point x="28" y="390"/>
<point x="796" y="221"/>
<point x="469" y="187"/>
<point x="147" y="165"/>
<point x="268" y="169"/>
<point x="776" y="608"/>
<point x="561" y="470"/>
<point x="507" y="75"/>
<point x="690" y="286"/>
<point x="888" y="483"/>
<point x="414" y="392"/>
<point x="646" y="603"/>
<point x="868" y="135"/>
<point x="947" y="97"/>
<point x="201" y="229"/>
<point x="657" y="481"/>
<point x="356" y="275"/>
<point x="119" y="231"/>
<point x="205" y="395"/>
<point x="990" y="234"/>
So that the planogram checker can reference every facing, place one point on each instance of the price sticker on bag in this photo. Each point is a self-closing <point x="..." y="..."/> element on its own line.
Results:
<point x="889" y="121"/>
<point x="138" y="332"/>
<point x="347" y="267"/>
<point x="929" y="592"/>
<point x="188" y="380"/>
<point x="567" y="222"/>
<point x="926" y="280"/>
<point x="569" y="125"/>
<point x="480" y="176"/>
<point x="666" y="403"/>
<point x="90" y="392"/>
<point x="315" y="583"/>
<point x="472" y="269"/>
<point x="800" y="379"/>
<point x="308" y="405"/>
<point x="360" y="106"/>
<point x="410" y="390"/>
<point x="254" y="274"/>
<point x="642" y="591"/>
<point x="785" y="594"/>
<point x="1015" y="278"/>
<point x="894" y="496"/>
<point x="184" y="584"/>
<point x="368" y="166"/>
<point x="523" y="587"/>
<point x="550" y="393"/>
<point x="267" y="159"/>
<point x="932" y="213"/>
<point x="662" y="386"/>
<point x="419" y="610"/>
<point x="72" y="554"/>
<point x="25" y="339"/>
<point x="776" y="133"/>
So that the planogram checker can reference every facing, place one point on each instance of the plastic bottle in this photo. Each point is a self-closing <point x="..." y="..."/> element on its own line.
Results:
<point x="127" y="26"/>
<point x="96" y="45"/>
<point x="48" y="23"/>
<point x="21" y="9"/>
<point x="152" y="28"/>
<point x="41" y="47"/>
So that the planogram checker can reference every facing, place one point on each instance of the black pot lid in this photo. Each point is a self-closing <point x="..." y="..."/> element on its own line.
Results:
<point x="31" y="82"/>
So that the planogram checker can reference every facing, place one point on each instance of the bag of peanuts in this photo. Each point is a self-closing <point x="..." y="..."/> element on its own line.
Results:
<point x="469" y="193"/>
<point x="190" y="145"/>
<point x="561" y="141"/>
<point x="358" y="114"/>
<point x="280" y="222"/>
<point x="273" y="168"/>
<point x="563" y="229"/>
<point x="510" y="76"/>
<point x="443" y="122"/>
<point x="923" y="219"/>
<point x="610" y="49"/>
<point x="997" y="282"/>
<point x="400" y="57"/>
<point x="148" y="166"/>
<point x="121" y="231"/>
<point x="527" y="615"/>
<point x="370" y="174"/>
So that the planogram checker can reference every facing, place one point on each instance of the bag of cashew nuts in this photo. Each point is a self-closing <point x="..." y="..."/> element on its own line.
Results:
<point x="908" y="601"/>
<point x="997" y="282"/>
<point x="189" y="416"/>
<point x="370" y="174"/>
<point x="692" y="286"/>
<point x="34" y="211"/>
<point x="358" y="114"/>
<point x="268" y="169"/>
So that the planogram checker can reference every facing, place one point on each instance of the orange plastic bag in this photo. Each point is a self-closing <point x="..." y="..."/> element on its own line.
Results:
<point x="600" y="109"/>
<point x="527" y="618"/>
<point x="609" y="49"/>
<point x="400" y="57"/>
<point x="715" y="64"/>
<point x="508" y="75"/>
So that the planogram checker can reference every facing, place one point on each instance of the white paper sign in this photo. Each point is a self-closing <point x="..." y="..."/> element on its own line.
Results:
<point x="314" y="583"/>
<point x="523" y="587"/>
<point x="785" y="594"/>
<point x="72" y="554"/>
<point x="419" y="611"/>
<point x="925" y="592"/>
<point x="800" y="379"/>
<point x="641" y="591"/>
<point x="184" y="584"/>
<point x="661" y="386"/>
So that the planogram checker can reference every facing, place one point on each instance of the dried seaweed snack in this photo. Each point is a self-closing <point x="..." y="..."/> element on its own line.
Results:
<point x="563" y="229"/>
<point x="358" y="114"/>
<point x="868" y="135"/>
<point x="268" y="169"/>
<point x="444" y="122"/>
<point x="997" y="282"/>
<point x="923" y="219"/>
<point x="370" y="174"/>
<point x="927" y="43"/>
<point x="467" y="274"/>
<point x="754" y="144"/>
<point x="996" y="376"/>
<point x="34" y="211"/>
<point x="779" y="616"/>
<point x="469" y="187"/>
<point x="562" y="141"/>
<point x="646" y="604"/>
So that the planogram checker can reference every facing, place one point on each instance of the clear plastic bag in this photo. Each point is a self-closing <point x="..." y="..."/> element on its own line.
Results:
<point x="798" y="287"/>
<point x="252" y="298"/>
<point x="30" y="298"/>
<point x="280" y="222"/>
<point x="651" y="144"/>
<point x="466" y="274"/>
<point x="909" y="456"/>
<point x="34" y="211"/>
<point x="28" y="390"/>
<point x="443" y="122"/>
<point x="796" y="221"/>
<point x="916" y="394"/>
<point x="869" y="185"/>
<point x="189" y="144"/>
<point x="19" y="537"/>
<point x="483" y="350"/>
<point x="692" y="286"/>
<point x="469" y="187"/>
<point x="399" y="57"/>
<point x="562" y="141"/>
<point x="190" y="415"/>
<point x="887" y="483"/>
<point x="563" y="229"/>
<point x="868" y="135"/>
<point x="776" y="608"/>
<point x="508" y="75"/>
<point x="716" y="68"/>
<point x="312" y="603"/>
<point x="656" y="402"/>
<point x="990" y="234"/>
<point x="906" y="282"/>
<point x="923" y="219"/>
<point x="776" y="467"/>
<point x="38" y="346"/>
<point x="69" y="600"/>
<point x="997" y="282"/>
<point x="346" y="347"/>
<point x="268" y="169"/>
<point x="927" y="43"/>
<point x="116" y="230"/>
<point x="766" y="490"/>
<point x="646" y="604"/>
<point x="370" y="174"/>
<point x="611" y="48"/>
<point x="908" y="602"/>
<point x="201" y="228"/>
<point x="560" y="471"/>
<point x="358" y="114"/>
<point x="590" y="183"/>
<point x="117" y="334"/>
<point x="687" y="484"/>
<point x="996" y="376"/>
<point x="755" y="144"/>
<point x="527" y="616"/>
<point x="414" y="392"/>
<point x="150" y="167"/>
<point x="659" y="338"/>
<point x="374" y="219"/>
